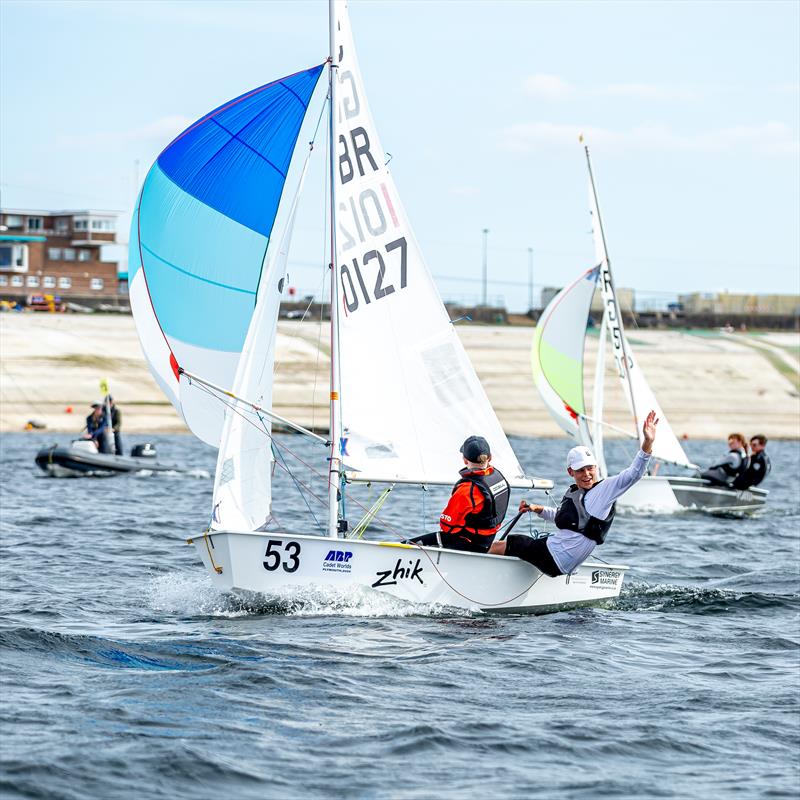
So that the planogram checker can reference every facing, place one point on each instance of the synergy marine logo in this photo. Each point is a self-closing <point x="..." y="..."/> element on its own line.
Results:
<point x="337" y="561"/>
<point x="605" y="578"/>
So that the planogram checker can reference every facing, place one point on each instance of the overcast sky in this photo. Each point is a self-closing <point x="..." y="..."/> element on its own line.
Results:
<point x="691" y="110"/>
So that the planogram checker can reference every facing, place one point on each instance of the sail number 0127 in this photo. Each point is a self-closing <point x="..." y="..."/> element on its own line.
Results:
<point x="289" y="559"/>
<point x="373" y="260"/>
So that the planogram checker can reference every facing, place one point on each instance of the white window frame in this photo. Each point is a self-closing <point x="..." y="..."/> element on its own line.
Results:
<point x="68" y="254"/>
<point x="64" y="282"/>
<point x="54" y="254"/>
<point x="3" y="280"/>
<point x="84" y="255"/>
<point x="49" y="282"/>
<point x="32" y="281"/>
<point x="16" y="280"/>
<point x="97" y="284"/>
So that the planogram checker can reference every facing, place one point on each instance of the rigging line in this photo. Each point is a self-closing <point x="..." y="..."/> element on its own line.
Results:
<point x="467" y="597"/>
<point x="364" y="522"/>
<point x="297" y="484"/>
<point x="254" y="406"/>
<point x="278" y="445"/>
<point x="36" y="407"/>
<point x="274" y="441"/>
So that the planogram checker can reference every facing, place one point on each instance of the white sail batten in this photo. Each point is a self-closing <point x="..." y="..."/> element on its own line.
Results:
<point x="243" y="480"/>
<point x="410" y="394"/>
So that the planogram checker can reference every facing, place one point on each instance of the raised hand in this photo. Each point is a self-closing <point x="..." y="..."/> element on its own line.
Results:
<point x="649" y="432"/>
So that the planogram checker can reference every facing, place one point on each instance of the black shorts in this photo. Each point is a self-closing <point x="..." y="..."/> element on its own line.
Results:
<point x="534" y="551"/>
<point x="480" y="544"/>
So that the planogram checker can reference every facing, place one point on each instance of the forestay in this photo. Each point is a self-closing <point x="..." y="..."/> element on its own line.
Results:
<point x="199" y="236"/>
<point x="410" y="395"/>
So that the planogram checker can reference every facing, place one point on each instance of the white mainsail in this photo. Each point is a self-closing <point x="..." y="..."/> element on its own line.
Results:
<point x="640" y="397"/>
<point x="410" y="395"/>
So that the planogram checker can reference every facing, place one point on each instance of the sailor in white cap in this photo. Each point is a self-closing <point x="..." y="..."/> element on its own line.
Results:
<point x="585" y="514"/>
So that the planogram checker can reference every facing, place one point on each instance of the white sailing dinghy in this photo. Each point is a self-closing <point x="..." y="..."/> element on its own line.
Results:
<point x="208" y="263"/>
<point x="557" y="356"/>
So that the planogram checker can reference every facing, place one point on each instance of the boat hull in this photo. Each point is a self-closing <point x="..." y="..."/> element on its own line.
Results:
<point x="273" y="563"/>
<point x="70" y="462"/>
<point x="668" y="494"/>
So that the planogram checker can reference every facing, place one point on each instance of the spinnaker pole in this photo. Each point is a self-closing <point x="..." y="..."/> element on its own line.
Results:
<point x="607" y="278"/>
<point x="335" y="466"/>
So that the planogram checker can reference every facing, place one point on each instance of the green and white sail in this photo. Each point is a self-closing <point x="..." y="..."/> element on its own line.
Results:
<point x="557" y="355"/>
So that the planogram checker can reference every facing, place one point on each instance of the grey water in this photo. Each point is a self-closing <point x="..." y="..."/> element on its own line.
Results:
<point x="125" y="674"/>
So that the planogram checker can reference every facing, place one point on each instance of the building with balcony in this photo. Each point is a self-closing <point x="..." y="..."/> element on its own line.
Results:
<point x="59" y="253"/>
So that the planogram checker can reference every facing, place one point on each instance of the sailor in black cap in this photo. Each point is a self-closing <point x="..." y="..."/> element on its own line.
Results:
<point x="477" y="504"/>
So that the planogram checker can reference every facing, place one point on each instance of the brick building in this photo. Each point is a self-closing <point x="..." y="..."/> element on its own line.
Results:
<point x="59" y="253"/>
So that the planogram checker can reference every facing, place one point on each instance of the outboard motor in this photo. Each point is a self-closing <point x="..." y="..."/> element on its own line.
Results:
<point x="145" y="450"/>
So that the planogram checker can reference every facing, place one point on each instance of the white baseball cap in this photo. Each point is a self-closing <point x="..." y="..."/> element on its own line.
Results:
<point x="580" y="457"/>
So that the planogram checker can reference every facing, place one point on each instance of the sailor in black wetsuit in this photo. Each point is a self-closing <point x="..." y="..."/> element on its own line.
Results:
<point x="759" y="466"/>
<point x="733" y="466"/>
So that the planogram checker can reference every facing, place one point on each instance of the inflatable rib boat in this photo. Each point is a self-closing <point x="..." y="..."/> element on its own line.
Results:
<point x="81" y="458"/>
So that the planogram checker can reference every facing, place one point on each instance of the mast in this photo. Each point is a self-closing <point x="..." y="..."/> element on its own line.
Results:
<point x="614" y="323"/>
<point x="598" y="397"/>
<point x="335" y="466"/>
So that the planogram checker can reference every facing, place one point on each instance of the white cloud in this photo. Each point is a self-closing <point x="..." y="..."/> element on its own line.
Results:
<point x="771" y="138"/>
<point x="548" y="87"/>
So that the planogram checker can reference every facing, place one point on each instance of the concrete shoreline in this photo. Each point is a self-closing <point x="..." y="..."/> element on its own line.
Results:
<point x="708" y="383"/>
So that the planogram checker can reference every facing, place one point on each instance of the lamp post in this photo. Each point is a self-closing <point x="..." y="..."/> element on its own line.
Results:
<point x="485" y="264"/>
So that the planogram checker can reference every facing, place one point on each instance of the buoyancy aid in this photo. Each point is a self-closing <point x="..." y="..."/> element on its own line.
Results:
<point x="758" y="468"/>
<point x="496" y="493"/>
<point x="573" y="516"/>
<point x="744" y="462"/>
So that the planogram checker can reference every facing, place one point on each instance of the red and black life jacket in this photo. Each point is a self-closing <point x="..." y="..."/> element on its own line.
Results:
<point x="495" y="491"/>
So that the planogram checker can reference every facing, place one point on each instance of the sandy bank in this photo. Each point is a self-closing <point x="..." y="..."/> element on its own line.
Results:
<point x="708" y="384"/>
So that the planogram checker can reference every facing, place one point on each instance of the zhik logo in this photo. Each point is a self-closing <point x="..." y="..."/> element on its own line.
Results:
<point x="390" y="577"/>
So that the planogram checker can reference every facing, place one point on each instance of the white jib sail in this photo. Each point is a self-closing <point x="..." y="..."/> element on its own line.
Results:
<point x="410" y="395"/>
<point x="243" y="481"/>
<point x="640" y="397"/>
